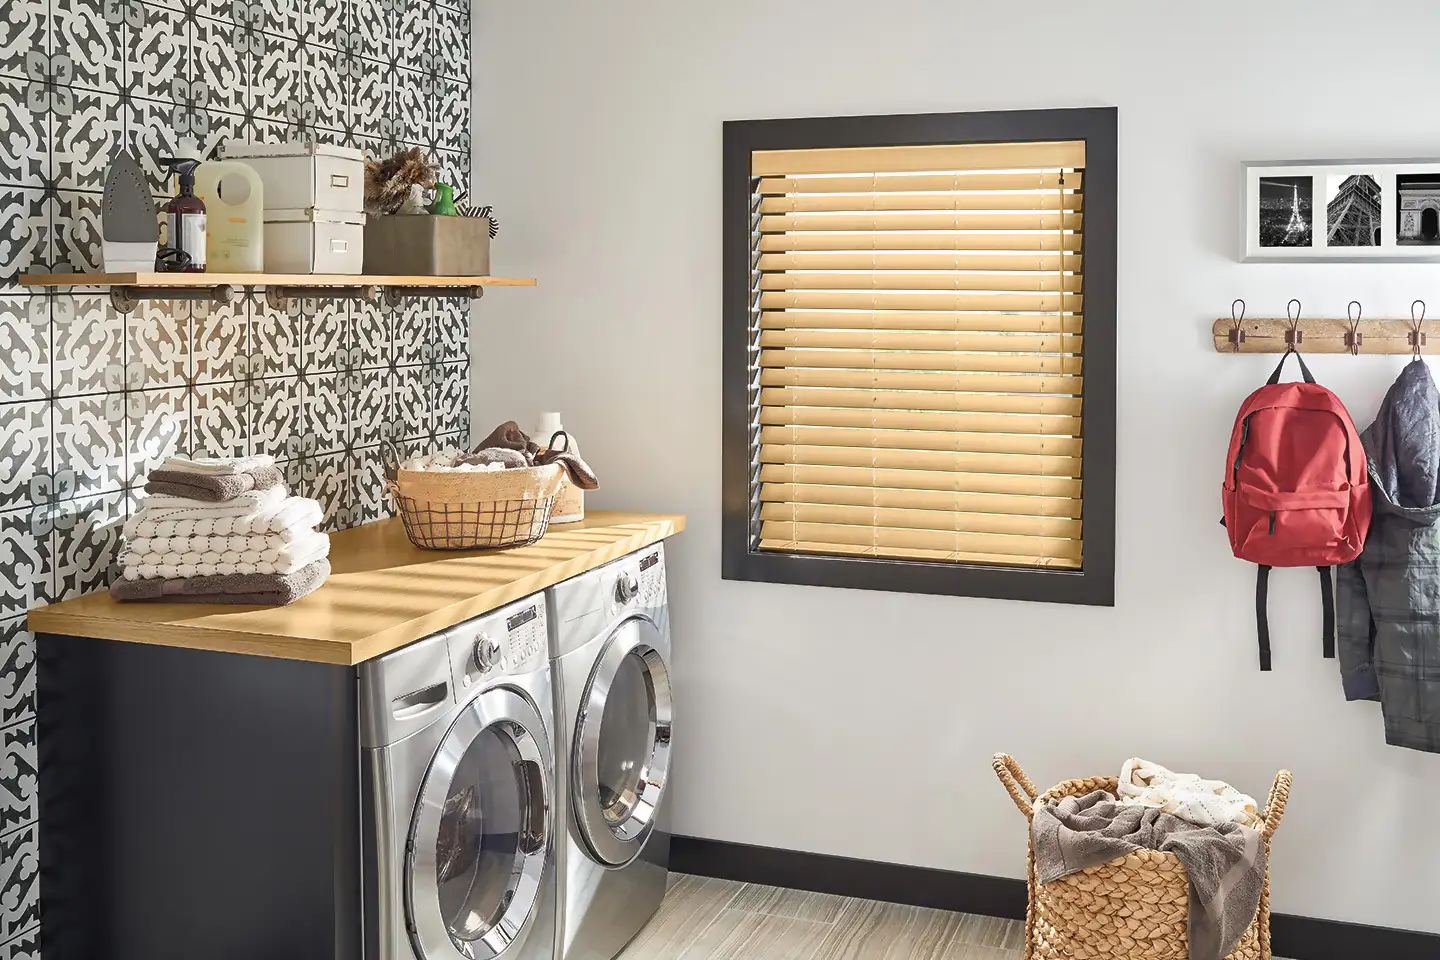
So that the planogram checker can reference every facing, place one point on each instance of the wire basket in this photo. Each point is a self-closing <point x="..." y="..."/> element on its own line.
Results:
<point x="461" y="510"/>
<point x="1136" y="907"/>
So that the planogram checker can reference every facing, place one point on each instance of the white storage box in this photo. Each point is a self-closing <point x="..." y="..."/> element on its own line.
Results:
<point x="298" y="176"/>
<point x="314" y="241"/>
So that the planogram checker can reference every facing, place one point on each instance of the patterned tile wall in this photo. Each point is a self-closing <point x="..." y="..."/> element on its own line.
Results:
<point x="90" y="397"/>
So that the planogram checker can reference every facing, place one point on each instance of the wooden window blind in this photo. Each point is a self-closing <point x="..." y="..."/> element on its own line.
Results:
<point x="917" y="352"/>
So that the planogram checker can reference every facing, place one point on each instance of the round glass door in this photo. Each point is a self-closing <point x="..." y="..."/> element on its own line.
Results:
<point x="623" y="743"/>
<point x="481" y="832"/>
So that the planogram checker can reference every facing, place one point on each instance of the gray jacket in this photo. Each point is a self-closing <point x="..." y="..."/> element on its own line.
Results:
<point x="1388" y="599"/>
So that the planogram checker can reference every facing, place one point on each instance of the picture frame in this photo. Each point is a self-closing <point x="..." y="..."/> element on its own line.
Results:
<point x="1340" y="211"/>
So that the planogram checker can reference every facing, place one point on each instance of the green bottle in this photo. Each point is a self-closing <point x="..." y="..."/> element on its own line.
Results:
<point x="444" y="205"/>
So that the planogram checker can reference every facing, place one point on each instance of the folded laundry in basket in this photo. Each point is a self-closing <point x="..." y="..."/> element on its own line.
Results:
<point x="1225" y="863"/>
<point x="266" y="589"/>
<point x="1185" y="795"/>
<point x="212" y="488"/>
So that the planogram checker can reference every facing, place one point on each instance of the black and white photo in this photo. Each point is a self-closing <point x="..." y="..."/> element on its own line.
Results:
<point x="1417" y="209"/>
<point x="1286" y="211"/>
<point x="1352" y="210"/>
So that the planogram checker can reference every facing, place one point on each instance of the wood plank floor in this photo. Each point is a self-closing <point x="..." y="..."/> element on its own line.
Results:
<point x="707" y="919"/>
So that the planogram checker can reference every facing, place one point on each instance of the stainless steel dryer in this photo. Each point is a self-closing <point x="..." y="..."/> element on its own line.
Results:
<point x="610" y="640"/>
<point x="459" y="793"/>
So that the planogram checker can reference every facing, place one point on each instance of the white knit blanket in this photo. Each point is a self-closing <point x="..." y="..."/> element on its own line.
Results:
<point x="175" y="564"/>
<point x="218" y="466"/>
<point x="289" y="517"/>
<point x="1203" y="802"/>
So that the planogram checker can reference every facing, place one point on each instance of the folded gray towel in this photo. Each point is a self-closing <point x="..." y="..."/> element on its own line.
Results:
<point x="501" y="455"/>
<point x="212" y="488"/>
<point x="1225" y="864"/>
<point x="509" y="436"/>
<point x="259" y="589"/>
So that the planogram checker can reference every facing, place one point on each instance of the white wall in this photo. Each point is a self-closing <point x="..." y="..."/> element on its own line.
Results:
<point x="861" y="723"/>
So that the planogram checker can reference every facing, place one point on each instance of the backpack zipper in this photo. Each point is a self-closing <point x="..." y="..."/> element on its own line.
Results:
<point x="1240" y="451"/>
<point x="1272" y="523"/>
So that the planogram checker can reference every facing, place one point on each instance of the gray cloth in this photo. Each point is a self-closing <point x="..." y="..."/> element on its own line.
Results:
<point x="508" y="458"/>
<point x="1387" y="601"/>
<point x="1225" y="864"/>
<point x="259" y="589"/>
<point x="212" y="488"/>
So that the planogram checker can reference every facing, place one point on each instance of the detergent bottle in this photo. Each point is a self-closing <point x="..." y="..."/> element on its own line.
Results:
<point x="234" y="199"/>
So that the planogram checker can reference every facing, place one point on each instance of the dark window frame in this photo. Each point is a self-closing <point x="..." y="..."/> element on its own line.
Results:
<point x="1094" y="584"/>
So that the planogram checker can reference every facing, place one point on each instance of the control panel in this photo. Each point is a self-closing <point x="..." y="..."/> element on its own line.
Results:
<point x="508" y="641"/>
<point x="652" y="577"/>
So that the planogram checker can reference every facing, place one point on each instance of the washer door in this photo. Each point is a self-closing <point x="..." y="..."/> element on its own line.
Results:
<point x="481" y="832"/>
<point x="622" y="743"/>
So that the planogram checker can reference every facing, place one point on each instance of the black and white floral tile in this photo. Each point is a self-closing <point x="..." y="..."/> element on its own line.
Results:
<point x="90" y="398"/>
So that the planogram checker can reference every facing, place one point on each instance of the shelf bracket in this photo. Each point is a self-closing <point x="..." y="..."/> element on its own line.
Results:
<point x="279" y="297"/>
<point x="126" y="299"/>
<point x="395" y="296"/>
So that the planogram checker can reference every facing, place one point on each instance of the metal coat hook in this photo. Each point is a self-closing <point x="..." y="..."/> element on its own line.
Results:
<point x="1354" y="337"/>
<point x="1417" y="336"/>
<point x="1293" y="336"/>
<point x="1237" y="313"/>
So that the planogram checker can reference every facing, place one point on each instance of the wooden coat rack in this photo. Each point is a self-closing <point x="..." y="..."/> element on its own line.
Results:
<point x="1236" y="334"/>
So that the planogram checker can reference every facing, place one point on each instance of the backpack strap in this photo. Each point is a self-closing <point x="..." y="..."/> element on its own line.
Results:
<point x="1262" y="615"/>
<point x="1327" y="600"/>
<point x="1304" y="370"/>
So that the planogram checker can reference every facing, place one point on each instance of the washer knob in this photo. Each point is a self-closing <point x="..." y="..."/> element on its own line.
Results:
<point x="626" y="588"/>
<point x="487" y="652"/>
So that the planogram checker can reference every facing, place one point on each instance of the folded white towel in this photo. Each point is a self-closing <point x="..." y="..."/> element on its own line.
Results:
<point x="1184" y="795"/>
<point x="218" y="466"/>
<point x="177" y="564"/>
<point x="262" y="546"/>
<point x="292" y="516"/>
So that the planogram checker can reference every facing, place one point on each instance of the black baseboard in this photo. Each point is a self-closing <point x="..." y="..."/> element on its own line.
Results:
<point x="1295" y="938"/>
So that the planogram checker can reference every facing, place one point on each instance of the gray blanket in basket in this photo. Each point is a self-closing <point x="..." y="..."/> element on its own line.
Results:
<point x="1225" y="864"/>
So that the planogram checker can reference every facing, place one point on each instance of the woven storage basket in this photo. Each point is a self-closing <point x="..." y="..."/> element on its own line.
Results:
<point x="465" y="510"/>
<point x="1133" y="908"/>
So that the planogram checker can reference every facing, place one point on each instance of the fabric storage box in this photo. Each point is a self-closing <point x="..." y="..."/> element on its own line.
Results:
<point x="1134" y="908"/>
<point x="314" y="241"/>
<point x="298" y="176"/>
<point x="426" y="245"/>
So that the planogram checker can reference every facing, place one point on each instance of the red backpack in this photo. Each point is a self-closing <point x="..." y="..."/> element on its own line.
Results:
<point x="1296" y="489"/>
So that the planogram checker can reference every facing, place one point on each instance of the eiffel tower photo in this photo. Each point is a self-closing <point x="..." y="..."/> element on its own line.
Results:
<point x="1285" y="211"/>
<point x="1352" y="216"/>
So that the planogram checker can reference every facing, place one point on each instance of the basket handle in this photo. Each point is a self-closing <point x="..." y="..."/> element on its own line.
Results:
<point x="390" y="458"/>
<point x="1021" y="790"/>
<point x="1275" y="805"/>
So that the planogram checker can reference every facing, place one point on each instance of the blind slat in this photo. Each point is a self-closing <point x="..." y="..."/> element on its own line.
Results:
<point x="918" y="320"/>
<point x="799" y="397"/>
<point x="903" y="518"/>
<point x="870" y="438"/>
<point x="1000" y="544"/>
<point x="866" y="280"/>
<point x="907" y="553"/>
<point x="934" y="360"/>
<point x="1059" y="154"/>
<point x="900" y="479"/>
<point x="1043" y="262"/>
<point x="1037" y="466"/>
<point x="936" y="340"/>
<point x="896" y="300"/>
<point x="892" y="380"/>
<point x="919" y="420"/>
<point x="940" y="500"/>
<point x="818" y="240"/>
<point x="1009" y="222"/>
<point x="856" y="202"/>
<point x="919" y="182"/>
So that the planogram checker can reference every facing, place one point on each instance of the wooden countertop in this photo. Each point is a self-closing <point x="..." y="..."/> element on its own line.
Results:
<point x="383" y="593"/>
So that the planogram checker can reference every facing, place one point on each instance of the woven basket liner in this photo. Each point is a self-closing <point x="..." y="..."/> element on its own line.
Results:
<point x="480" y="486"/>
<point x="476" y="510"/>
<point x="1133" y="908"/>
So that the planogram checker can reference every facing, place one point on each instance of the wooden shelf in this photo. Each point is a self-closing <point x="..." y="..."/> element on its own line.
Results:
<point x="127" y="290"/>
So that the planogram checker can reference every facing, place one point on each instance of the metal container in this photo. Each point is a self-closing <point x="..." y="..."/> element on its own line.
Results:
<point x="426" y="245"/>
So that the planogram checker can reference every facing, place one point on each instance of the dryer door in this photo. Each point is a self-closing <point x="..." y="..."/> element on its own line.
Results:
<point x="481" y="832"/>
<point x="622" y="743"/>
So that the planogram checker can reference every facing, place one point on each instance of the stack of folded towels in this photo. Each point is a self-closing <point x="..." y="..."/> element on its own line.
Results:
<point x="222" y="531"/>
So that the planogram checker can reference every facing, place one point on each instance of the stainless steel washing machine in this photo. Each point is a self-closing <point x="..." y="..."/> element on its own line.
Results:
<point x="458" y="782"/>
<point x="610" y="643"/>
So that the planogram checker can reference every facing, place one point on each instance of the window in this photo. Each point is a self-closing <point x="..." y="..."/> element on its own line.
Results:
<point x="919" y="348"/>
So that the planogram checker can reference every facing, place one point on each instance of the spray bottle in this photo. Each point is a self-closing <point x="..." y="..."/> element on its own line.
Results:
<point x="185" y="217"/>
